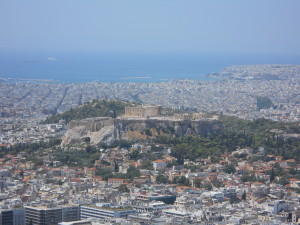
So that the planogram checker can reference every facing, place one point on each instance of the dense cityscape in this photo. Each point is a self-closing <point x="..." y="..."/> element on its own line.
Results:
<point x="131" y="112"/>
<point x="147" y="181"/>
<point x="24" y="104"/>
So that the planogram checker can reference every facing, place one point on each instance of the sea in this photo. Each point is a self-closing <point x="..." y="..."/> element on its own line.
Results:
<point x="125" y="67"/>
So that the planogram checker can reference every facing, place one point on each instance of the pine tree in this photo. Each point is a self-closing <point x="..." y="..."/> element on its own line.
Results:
<point x="244" y="195"/>
<point x="116" y="167"/>
<point x="272" y="176"/>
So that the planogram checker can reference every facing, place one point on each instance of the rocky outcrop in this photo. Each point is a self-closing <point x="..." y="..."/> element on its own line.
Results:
<point x="108" y="130"/>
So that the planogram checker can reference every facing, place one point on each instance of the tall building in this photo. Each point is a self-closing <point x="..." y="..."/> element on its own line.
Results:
<point x="19" y="216"/>
<point x="7" y="217"/>
<point x="50" y="216"/>
<point x="12" y="217"/>
<point x="70" y="213"/>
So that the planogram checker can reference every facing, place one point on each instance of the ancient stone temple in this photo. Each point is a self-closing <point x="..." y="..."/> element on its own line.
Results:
<point x="142" y="111"/>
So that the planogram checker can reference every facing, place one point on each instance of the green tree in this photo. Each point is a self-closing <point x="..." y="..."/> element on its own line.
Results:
<point x="134" y="155"/>
<point x="146" y="164"/>
<point x="105" y="174"/>
<point x="207" y="186"/>
<point x="248" y="178"/>
<point x="272" y="176"/>
<point x="197" y="183"/>
<point x="148" y="132"/>
<point x="123" y="188"/>
<point x="263" y="102"/>
<point x="244" y="196"/>
<point x="161" y="179"/>
<point x="132" y="172"/>
<point x="95" y="108"/>
<point x="124" y="144"/>
<point x="182" y="180"/>
<point x="229" y="169"/>
<point x="90" y="149"/>
<point x="116" y="167"/>
<point x="283" y="181"/>
<point x="179" y="152"/>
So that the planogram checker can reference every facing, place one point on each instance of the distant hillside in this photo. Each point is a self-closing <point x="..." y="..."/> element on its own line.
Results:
<point x="102" y="108"/>
<point x="259" y="127"/>
<point x="95" y="108"/>
<point x="274" y="138"/>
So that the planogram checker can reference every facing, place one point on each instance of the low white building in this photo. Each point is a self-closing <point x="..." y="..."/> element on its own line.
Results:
<point x="159" y="164"/>
<point x="105" y="211"/>
<point x="115" y="182"/>
<point x="276" y="206"/>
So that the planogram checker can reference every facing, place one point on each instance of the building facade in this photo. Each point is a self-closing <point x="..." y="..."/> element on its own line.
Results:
<point x="51" y="216"/>
<point x="12" y="217"/>
<point x="104" y="212"/>
<point x="115" y="182"/>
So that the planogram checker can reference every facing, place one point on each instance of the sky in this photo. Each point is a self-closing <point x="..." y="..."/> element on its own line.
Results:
<point x="151" y="26"/>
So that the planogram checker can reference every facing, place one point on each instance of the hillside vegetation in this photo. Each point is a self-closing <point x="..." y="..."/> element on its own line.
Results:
<point x="239" y="133"/>
<point x="101" y="108"/>
<point x="95" y="108"/>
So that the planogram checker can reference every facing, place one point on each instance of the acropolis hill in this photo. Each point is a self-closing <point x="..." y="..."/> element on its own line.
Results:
<point x="139" y="123"/>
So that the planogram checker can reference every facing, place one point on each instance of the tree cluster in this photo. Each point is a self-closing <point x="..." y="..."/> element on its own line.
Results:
<point x="96" y="108"/>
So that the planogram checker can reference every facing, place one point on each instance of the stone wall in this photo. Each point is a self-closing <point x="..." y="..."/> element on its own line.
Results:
<point x="196" y="116"/>
<point x="142" y="111"/>
<point x="92" y="124"/>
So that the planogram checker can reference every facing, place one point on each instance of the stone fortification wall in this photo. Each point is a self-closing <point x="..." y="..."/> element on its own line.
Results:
<point x="92" y="124"/>
<point x="108" y="130"/>
<point x="142" y="111"/>
<point x="196" y="116"/>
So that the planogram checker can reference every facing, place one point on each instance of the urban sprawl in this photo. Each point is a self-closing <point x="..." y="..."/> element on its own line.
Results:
<point x="231" y="190"/>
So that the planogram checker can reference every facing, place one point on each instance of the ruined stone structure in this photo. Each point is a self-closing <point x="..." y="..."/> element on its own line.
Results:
<point x="196" y="116"/>
<point x="142" y="111"/>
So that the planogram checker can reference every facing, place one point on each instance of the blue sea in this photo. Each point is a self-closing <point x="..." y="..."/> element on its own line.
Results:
<point x="125" y="67"/>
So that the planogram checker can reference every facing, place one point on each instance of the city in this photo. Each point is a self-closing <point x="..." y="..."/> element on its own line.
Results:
<point x="141" y="180"/>
<point x="136" y="112"/>
<point x="24" y="104"/>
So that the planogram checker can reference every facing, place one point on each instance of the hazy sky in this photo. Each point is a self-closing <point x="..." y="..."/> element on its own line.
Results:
<point x="151" y="26"/>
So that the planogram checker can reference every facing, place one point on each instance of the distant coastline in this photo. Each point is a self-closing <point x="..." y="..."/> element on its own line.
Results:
<point x="129" y="78"/>
<point x="11" y="80"/>
<point x="113" y="68"/>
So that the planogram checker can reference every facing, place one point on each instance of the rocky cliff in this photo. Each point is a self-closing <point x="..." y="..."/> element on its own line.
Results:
<point x="108" y="130"/>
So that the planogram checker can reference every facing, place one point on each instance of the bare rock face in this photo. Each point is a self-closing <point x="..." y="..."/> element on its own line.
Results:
<point x="106" y="134"/>
<point x="74" y="136"/>
<point x="108" y="130"/>
<point x="100" y="129"/>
